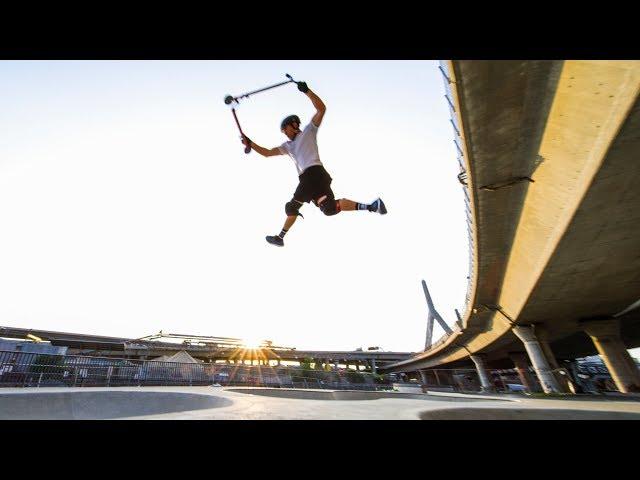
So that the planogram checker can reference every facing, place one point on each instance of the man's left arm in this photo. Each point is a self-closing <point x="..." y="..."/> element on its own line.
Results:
<point x="317" y="103"/>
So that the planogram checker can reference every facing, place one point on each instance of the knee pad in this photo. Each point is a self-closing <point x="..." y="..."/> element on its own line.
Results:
<point x="292" y="208"/>
<point x="328" y="205"/>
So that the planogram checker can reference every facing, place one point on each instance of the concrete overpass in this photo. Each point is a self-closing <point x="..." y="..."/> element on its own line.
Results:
<point x="550" y="156"/>
<point x="203" y="348"/>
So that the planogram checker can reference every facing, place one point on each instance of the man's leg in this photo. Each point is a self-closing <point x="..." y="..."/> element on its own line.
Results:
<point x="376" y="206"/>
<point x="291" y="209"/>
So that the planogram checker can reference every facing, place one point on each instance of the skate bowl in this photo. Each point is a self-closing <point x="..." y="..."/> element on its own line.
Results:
<point x="310" y="394"/>
<point x="526" y="414"/>
<point x="101" y="404"/>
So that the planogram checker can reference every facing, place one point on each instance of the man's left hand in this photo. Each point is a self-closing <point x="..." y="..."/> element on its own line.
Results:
<point x="302" y="86"/>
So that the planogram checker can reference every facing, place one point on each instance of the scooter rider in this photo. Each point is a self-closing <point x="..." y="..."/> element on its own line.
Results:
<point x="314" y="181"/>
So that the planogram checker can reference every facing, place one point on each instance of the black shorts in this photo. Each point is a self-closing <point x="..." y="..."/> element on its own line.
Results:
<point x="315" y="182"/>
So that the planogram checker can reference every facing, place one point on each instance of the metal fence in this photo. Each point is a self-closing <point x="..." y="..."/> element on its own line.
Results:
<point x="20" y="369"/>
<point x="463" y="380"/>
<point x="576" y="378"/>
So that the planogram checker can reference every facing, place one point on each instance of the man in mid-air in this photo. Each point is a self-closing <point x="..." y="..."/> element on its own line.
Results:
<point x="315" y="181"/>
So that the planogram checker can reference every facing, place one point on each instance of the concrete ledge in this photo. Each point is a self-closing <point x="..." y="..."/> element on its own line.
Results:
<point x="314" y="394"/>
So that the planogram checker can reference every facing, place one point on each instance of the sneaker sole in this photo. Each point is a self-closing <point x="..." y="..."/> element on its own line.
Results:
<point x="276" y="244"/>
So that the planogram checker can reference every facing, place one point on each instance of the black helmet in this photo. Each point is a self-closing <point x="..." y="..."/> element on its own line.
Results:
<point x="289" y="120"/>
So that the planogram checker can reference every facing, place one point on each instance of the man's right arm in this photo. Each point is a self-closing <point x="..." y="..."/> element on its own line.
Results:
<point x="265" y="152"/>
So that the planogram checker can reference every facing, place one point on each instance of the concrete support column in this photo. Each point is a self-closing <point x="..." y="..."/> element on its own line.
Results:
<point x="423" y="376"/>
<point x="278" y="362"/>
<point x="519" y="359"/>
<point x="373" y="366"/>
<point x="478" y="359"/>
<point x="336" y="364"/>
<point x="605" y="335"/>
<point x="543" y="338"/>
<point x="537" y="357"/>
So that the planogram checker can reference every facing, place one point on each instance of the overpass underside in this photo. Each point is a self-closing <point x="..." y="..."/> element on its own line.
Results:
<point x="551" y="153"/>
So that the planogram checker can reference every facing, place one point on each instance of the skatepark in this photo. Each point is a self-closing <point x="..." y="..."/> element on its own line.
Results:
<point x="244" y="403"/>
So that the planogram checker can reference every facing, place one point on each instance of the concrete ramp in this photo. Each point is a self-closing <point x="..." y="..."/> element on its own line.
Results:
<point x="101" y="404"/>
<point x="525" y="414"/>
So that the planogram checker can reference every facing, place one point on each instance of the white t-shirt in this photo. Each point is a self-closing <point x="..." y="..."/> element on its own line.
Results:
<point x="303" y="149"/>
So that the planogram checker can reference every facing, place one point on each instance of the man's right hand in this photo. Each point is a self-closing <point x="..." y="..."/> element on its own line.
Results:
<point x="246" y="141"/>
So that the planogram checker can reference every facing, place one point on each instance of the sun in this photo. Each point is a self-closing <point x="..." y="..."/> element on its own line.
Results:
<point x="252" y="343"/>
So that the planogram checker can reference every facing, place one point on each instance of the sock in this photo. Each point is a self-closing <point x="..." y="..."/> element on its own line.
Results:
<point x="283" y="233"/>
<point x="362" y="206"/>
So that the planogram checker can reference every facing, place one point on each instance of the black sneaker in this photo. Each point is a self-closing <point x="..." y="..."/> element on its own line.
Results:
<point x="378" y="206"/>
<point x="275" y="240"/>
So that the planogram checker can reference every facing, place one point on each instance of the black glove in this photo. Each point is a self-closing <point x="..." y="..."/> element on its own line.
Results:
<point x="302" y="86"/>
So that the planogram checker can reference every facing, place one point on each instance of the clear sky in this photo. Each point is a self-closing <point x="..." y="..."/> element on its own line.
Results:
<point x="128" y="206"/>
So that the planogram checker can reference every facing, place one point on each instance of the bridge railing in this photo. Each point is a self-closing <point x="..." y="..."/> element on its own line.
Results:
<point x="462" y="176"/>
<point x="21" y="369"/>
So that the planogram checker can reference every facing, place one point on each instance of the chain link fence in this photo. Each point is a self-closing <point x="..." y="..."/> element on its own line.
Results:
<point x="20" y="369"/>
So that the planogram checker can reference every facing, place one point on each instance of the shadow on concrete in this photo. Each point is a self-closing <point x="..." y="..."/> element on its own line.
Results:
<point x="101" y="405"/>
<point x="525" y="414"/>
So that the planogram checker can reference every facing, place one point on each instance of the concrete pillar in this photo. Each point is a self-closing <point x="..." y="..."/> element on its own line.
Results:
<point x="336" y="364"/>
<point x="485" y="382"/>
<point x="537" y="357"/>
<point x="278" y="362"/>
<point x="373" y="366"/>
<point x="605" y="335"/>
<point x="423" y="376"/>
<point x="519" y="359"/>
<point x="543" y="338"/>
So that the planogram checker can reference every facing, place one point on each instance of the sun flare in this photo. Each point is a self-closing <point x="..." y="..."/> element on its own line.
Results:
<point x="252" y="343"/>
